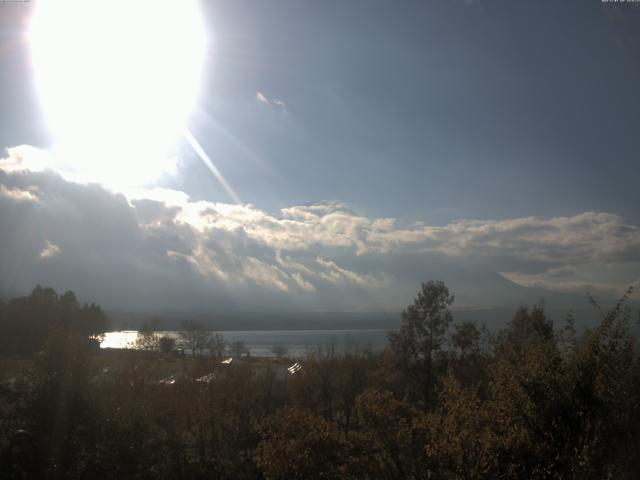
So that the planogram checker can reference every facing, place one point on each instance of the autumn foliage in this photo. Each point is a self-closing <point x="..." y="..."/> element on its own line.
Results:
<point x="444" y="401"/>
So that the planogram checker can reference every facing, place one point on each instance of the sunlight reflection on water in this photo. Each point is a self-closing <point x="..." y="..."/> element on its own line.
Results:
<point x="261" y="342"/>
<point x="122" y="339"/>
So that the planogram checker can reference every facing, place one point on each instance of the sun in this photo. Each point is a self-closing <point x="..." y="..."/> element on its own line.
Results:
<point x="117" y="80"/>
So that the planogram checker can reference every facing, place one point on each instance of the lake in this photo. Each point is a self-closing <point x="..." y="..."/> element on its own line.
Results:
<point x="260" y="342"/>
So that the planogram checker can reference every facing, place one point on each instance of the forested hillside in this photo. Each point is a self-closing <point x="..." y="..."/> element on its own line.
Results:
<point x="445" y="400"/>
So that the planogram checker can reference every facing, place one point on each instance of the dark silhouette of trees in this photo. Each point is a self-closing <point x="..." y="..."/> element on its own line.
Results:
<point x="526" y="326"/>
<point x="148" y="338"/>
<point x="469" y="354"/>
<point x="195" y="336"/>
<point x="421" y="335"/>
<point x="537" y="403"/>
<point x="217" y="345"/>
<point x="238" y="349"/>
<point x="25" y="322"/>
<point x="465" y="340"/>
<point x="166" y="344"/>
<point x="299" y="444"/>
<point x="391" y="435"/>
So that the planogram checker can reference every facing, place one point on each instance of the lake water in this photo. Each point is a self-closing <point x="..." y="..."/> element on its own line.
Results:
<point x="260" y="342"/>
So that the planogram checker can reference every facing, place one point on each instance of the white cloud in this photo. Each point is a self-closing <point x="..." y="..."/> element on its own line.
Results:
<point x="336" y="274"/>
<point x="17" y="194"/>
<point x="262" y="98"/>
<point x="49" y="250"/>
<point x="27" y="158"/>
<point x="587" y="237"/>
<point x="161" y="239"/>
<point x="584" y="238"/>
<point x="302" y="283"/>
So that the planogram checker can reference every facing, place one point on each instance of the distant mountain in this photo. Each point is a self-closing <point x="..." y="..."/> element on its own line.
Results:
<point x="500" y="296"/>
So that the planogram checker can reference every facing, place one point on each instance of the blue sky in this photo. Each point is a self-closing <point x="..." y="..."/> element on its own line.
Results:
<point x="427" y="112"/>
<point x="430" y="110"/>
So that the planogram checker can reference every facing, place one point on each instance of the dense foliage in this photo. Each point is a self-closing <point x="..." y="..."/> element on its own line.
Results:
<point x="26" y="322"/>
<point x="530" y="402"/>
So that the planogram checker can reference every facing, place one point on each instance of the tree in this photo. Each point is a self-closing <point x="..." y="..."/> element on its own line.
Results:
<point x="217" y="345"/>
<point x="469" y="355"/>
<point x="297" y="443"/>
<point x="167" y="344"/>
<point x="238" y="348"/>
<point x="461" y="443"/>
<point x="59" y="400"/>
<point x="391" y="435"/>
<point x="525" y="327"/>
<point x="466" y="338"/>
<point x="25" y="321"/>
<point x="147" y="338"/>
<point x="424" y="324"/>
<point x="195" y="336"/>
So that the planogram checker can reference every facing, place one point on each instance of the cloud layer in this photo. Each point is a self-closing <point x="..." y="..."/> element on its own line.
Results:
<point x="159" y="248"/>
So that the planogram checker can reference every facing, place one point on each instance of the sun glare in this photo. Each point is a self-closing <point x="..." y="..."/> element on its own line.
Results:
<point x="117" y="81"/>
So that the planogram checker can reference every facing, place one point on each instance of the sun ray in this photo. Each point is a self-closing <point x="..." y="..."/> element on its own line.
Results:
<point x="210" y="165"/>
